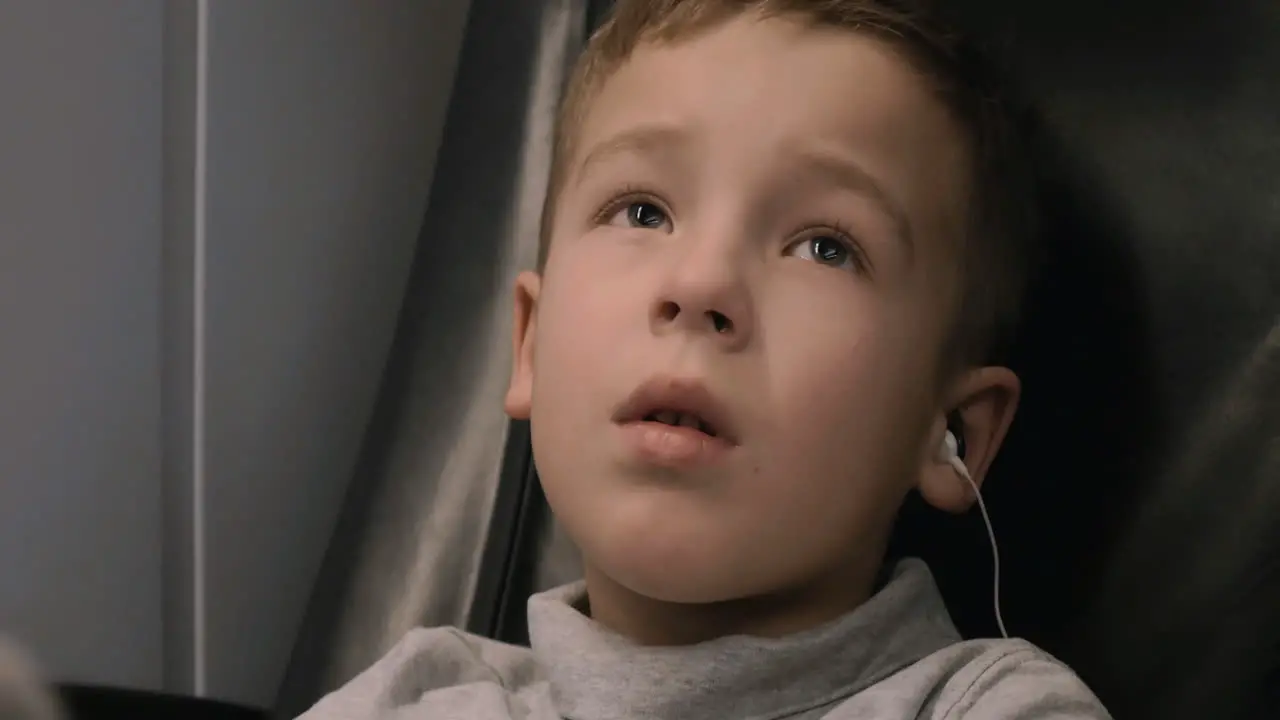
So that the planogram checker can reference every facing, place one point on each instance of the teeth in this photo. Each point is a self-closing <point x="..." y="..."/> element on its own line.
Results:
<point x="679" y="419"/>
<point x="667" y="417"/>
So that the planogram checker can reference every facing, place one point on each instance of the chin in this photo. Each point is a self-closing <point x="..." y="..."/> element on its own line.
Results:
<point x="682" y="591"/>
<point x="684" y="578"/>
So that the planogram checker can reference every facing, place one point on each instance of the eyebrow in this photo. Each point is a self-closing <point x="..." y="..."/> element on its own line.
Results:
<point x="830" y="167"/>
<point x="849" y="175"/>
<point x="642" y="140"/>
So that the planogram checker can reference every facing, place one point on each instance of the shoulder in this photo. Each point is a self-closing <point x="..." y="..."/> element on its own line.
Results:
<point x="426" y="661"/>
<point x="449" y="656"/>
<point x="1010" y="680"/>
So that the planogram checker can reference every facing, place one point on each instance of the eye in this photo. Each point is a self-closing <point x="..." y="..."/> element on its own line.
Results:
<point x="828" y="249"/>
<point x="641" y="214"/>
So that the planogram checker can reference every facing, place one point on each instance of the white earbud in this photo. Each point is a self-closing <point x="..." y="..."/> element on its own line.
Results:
<point x="949" y="453"/>
<point x="950" y="450"/>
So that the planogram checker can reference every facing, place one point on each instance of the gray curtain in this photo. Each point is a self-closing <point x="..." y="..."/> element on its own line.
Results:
<point x="407" y="548"/>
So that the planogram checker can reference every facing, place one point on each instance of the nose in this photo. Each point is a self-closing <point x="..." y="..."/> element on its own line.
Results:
<point x="707" y="294"/>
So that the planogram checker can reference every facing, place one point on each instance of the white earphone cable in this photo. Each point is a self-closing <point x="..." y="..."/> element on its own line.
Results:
<point x="963" y="471"/>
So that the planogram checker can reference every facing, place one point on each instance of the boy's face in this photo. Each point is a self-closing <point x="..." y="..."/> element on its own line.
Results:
<point x="758" y="226"/>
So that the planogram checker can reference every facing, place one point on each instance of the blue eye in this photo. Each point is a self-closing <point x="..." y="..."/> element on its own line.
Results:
<point x="640" y="214"/>
<point x="827" y="250"/>
<point x="646" y="215"/>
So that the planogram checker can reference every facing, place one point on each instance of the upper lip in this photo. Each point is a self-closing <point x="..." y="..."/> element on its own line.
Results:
<point x="681" y="395"/>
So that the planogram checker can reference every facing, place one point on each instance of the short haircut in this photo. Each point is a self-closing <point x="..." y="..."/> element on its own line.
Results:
<point x="998" y="245"/>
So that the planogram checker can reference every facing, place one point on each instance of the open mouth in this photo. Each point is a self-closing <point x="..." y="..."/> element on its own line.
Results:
<point x="679" y="403"/>
<point x="676" y="418"/>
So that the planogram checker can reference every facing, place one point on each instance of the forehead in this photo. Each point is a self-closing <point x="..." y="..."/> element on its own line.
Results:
<point x="761" y="91"/>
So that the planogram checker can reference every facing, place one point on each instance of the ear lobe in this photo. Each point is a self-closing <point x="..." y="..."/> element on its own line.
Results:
<point x="986" y="399"/>
<point x="519" y="400"/>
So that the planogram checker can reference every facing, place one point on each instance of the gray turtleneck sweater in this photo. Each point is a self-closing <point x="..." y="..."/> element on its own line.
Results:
<point x="896" y="657"/>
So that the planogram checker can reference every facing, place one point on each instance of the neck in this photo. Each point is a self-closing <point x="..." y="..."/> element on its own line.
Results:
<point x="650" y="622"/>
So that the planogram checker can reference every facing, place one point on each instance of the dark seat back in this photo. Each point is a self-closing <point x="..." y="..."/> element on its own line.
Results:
<point x="1137" y="498"/>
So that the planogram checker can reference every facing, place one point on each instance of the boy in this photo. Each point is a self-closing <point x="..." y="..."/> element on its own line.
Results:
<point x="781" y="241"/>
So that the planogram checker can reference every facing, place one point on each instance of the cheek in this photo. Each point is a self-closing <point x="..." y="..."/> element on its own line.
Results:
<point x="583" y="322"/>
<point x="580" y="317"/>
<point x="847" y="402"/>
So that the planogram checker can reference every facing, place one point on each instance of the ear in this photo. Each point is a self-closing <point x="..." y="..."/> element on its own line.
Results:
<point x="519" y="401"/>
<point x="986" y="399"/>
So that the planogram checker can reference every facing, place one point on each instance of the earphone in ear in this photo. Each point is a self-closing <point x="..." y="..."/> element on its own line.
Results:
<point x="952" y="453"/>
<point x="953" y="441"/>
<point x="950" y="449"/>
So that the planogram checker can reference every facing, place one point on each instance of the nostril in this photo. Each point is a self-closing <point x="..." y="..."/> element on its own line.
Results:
<point x="668" y="311"/>
<point x="720" y="321"/>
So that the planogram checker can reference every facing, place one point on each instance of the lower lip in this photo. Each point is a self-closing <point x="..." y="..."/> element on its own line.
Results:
<point x="672" y="446"/>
